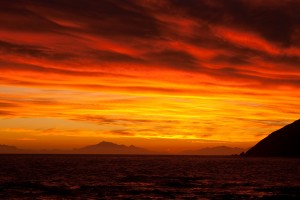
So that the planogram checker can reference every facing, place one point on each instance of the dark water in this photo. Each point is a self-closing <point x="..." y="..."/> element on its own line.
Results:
<point x="147" y="177"/>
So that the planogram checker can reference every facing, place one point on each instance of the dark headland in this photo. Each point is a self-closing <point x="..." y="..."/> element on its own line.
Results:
<point x="284" y="142"/>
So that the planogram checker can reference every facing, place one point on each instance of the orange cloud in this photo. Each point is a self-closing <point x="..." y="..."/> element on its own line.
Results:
<point x="174" y="70"/>
<point x="246" y="39"/>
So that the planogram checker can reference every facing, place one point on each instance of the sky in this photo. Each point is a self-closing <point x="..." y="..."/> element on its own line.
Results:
<point x="167" y="75"/>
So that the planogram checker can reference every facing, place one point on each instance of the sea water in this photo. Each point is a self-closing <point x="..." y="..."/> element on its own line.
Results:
<point x="147" y="177"/>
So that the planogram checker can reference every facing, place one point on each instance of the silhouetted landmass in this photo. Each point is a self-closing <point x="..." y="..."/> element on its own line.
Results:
<point x="221" y="150"/>
<point x="101" y="148"/>
<point x="111" y="148"/>
<point x="5" y="149"/>
<point x="284" y="142"/>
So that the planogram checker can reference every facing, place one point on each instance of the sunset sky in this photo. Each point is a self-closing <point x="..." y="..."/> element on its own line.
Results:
<point x="166" y="75"/>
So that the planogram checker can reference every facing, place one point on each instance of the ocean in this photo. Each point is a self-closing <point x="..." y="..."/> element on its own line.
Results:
<point x="147" y="177"/>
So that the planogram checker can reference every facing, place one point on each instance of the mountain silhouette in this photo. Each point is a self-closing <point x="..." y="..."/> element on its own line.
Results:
<point x="284" y="142"/>
<point x="111" y="148"/>
<point x="5" y="149"/>
<point x="220" y="150"/>
<point x="100" y="148"/>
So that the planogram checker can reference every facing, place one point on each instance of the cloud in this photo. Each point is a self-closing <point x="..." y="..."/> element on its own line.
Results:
<point x="262" y="17"/>
<point x="8" y="105"/>
<point x="121" y="133"/>
<point x="26" y="139"/>
<point x="4" y="113"/>
<point x="33" y="51"/>
<point x="131" y="38"/>
<point x="152" y="68"/>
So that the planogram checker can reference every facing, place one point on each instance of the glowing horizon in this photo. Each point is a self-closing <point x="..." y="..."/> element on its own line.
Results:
<point x="156" y="74"/>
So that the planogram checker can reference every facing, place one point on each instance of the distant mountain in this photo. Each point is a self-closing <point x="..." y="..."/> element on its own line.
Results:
<point x="220" y="150"/>
<point x="101" y="148"/>
<point x="284" y="142"/>
<point x="5" y="149"/>
<point x="111" y="148"/>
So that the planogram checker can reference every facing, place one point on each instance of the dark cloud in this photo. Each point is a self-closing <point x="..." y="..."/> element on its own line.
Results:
<point x="121" y="133"/>
<point x="107" y="17"/>
<point x="4" y="113"/>
<point x="120" y="121"/>
<point x="274" y="22"/>
<point x="102" y="38"/>
<point x="15" y="16"/>
<point x="287" y="63"/>
<point x="265" y="20"/>
<point x="174" y="59"/>
<point x="231" y="59"/>
<point x="12" y="66"/>
<point x="110" y="56"/>
<point x="7" y="66"/>
<point x="8" y="105"/>
<point x="34" y="51"/>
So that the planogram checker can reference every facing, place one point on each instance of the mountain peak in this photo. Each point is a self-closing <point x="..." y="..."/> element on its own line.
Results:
<point x="105" y="143"/>
<point x="9" y="149"/>
<point x="105" y="147"/>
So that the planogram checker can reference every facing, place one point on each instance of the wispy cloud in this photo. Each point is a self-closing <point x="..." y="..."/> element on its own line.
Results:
<point x="152" y="68"/>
